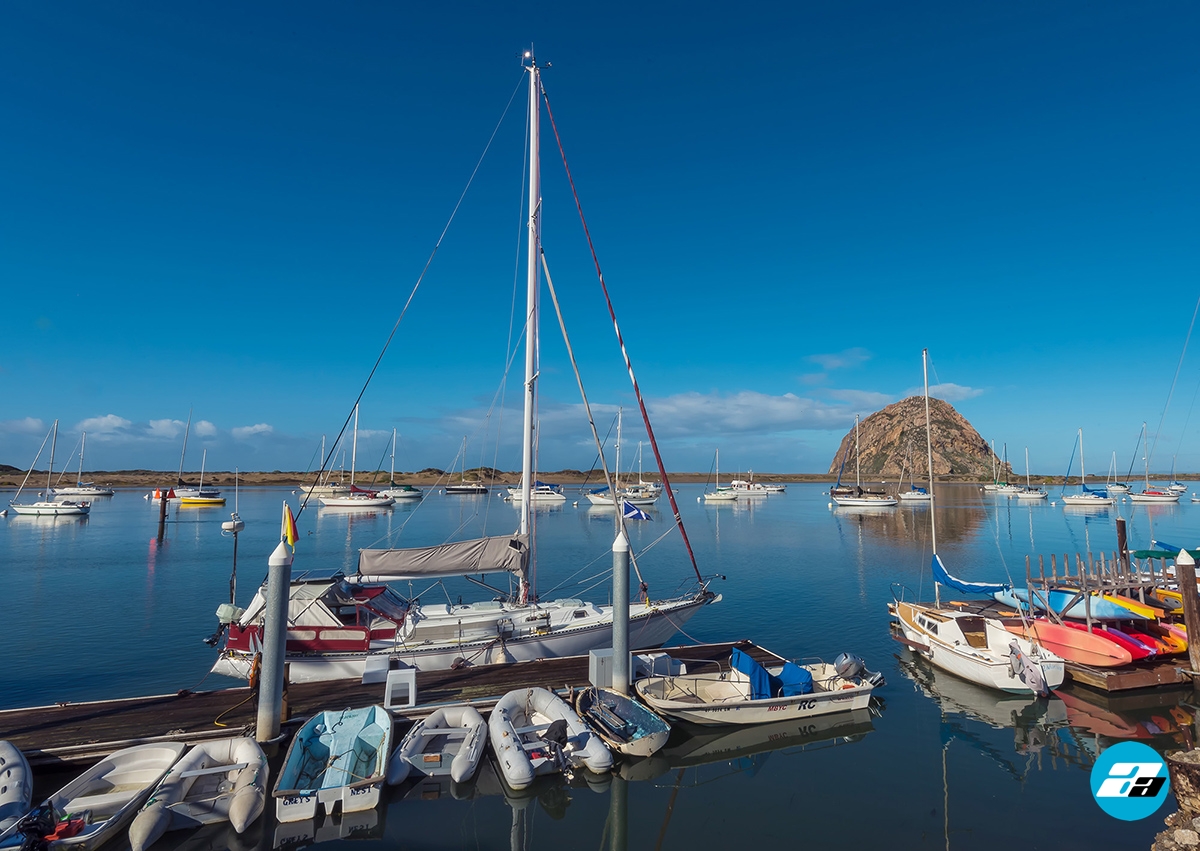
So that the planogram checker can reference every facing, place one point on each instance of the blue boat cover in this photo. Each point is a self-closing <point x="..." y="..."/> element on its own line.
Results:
<point x="917" y="489"/>
<point x="1098" y="491"/>
<point x="794" y="680"/>
<point x="942" y="577"/>
<point x="760" y="680"/>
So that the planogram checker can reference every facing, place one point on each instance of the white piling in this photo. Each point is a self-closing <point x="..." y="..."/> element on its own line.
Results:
<point x="620" y="645"/>
<point x="270" y="688"/>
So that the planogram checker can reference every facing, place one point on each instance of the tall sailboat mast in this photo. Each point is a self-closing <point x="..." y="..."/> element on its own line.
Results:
<point x="937" y="592"/>
<point x="857" y="466"/>
<point x="354" y="449"/>
<point x="531" y="300"/>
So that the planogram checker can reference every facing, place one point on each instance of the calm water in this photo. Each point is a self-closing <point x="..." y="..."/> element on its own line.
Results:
<point x="107" y="612"/>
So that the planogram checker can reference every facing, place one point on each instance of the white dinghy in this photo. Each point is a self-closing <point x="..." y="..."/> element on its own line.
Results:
<point x="336" y="756"/>
<point x="749" y="693"/>
<point x="533" y="731"/>
<point x="16" y="785"/>
<point x="222" y="780"/>
<point x="450" y="741"/>
<point x="97" y="804"/>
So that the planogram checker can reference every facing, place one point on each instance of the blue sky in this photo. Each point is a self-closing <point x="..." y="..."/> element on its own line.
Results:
<point x="224" y="209"/>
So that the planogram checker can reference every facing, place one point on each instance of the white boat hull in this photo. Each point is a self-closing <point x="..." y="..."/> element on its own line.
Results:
<point x="16" y="785"/>
<point x="51" y="509"/>
<point x="649" y="627"/>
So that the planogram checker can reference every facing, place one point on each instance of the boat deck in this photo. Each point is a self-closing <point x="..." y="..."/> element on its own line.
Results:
<point x="72" y="733"/>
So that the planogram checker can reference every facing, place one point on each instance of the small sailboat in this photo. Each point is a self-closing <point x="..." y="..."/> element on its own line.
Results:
<point x="394" y="490"/>
<point x="95" y="806"/>
<point x="322" y="486"/>
<point x="1151" y="494"/>
<point x="860" y="497"/>
<point x="533" y="731"/>
<point x="974" y="647"/>
<point x="1111" y="484"/>
<point x="625" y="725"/>
<point x="718" y="493"/>
<point x="82" y="488"/>
<point x="626" y="496"/>
<point x="914" y="492"/>
<point x="47" y="507"/>
<point x="750" y="693"/>
<point x="462" y="486"/>
<point x="1030" y="492"/>
<point x="1086" y="496"/>
<point x="357" y="497"/>
<point x="337" y="756"/>
<point x="450" y="741"/>
<point x="201" y="497"/>
<point x="221" y="780"/>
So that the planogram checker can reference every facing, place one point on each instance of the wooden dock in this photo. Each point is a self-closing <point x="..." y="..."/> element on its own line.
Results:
<point x="81" y="733"/>
<point x="1162" y="672"/>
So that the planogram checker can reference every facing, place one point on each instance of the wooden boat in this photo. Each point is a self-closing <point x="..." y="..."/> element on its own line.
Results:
<point x="96" y="805"/>
<point x="337" y="756"/>
<point x="625" y="725"/>
<point x="450" y="741"/>
<point x="16" y="785"/>
<point x="749" y="693"/>
<point x="1072" y="644"/>
<point x="533" y="731"/>
<point x="222" y="780"/>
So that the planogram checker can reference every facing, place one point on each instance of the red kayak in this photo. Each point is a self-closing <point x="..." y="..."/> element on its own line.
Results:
<point x="1137" y="650"/>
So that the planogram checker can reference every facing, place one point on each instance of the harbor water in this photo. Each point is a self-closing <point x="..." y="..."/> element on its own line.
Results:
<point x="108" y="611"/>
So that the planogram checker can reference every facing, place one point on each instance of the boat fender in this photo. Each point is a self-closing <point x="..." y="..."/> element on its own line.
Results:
<point x="255" y="670"/>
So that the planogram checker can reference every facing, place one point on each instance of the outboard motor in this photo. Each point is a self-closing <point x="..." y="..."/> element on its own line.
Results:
<point x="557" y="736"/>
<point x="851" y="667"/>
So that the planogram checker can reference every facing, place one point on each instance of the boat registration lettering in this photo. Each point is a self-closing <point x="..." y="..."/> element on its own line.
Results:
<point x="806" y="704"/>
<point x="294" y="800"/>
<point x="362" y="790"/>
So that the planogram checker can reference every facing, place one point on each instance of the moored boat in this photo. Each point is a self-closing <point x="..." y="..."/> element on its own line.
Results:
<point x="16" y="785"/>
<point x="625" y="725"/>
<point x="336" y="757"/>
<point x="217" y="781"/>
<point x="95" y="806"/>
<point x="533" y="731"/>
<point x="449" y="741"/>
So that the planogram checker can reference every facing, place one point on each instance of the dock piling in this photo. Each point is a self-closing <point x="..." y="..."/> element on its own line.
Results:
<point x="620" y="644"/>
<point x="270" y="690"/>
<point x="1185" y="575"/>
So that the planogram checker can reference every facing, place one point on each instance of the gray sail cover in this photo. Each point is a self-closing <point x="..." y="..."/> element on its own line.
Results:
<point x="482" y="555"/>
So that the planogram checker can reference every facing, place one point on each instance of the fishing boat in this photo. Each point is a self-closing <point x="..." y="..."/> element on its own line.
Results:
<point x="337" y="757"/>
<point x="97" y="805"/>
<point x="971" y="646"/>
<point x="626" y="726"/>
<point x="859" y="497"/>
<point x="47" y="507"/>
<point x="746" y="692"/>
<point x="1086" y="495"/>
<point x="718" y="493"/>
<point x="82" y="488"/>
<point x="337" y="623"/>
<point x="218" y="781"/>
<point x="357" y="497"/>
<point x="533" y="732"/>
<point x="449" y="741"/>
<point x="1030" y="492"/>
<point x="16" y="785"/>
<point x="201" y="497"/>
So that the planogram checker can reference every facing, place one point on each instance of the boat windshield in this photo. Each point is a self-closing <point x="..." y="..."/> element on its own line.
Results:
<point x="389" y="604"/>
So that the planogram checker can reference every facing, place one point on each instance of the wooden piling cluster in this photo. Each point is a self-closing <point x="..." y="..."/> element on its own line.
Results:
<point x="1109" y="574"/>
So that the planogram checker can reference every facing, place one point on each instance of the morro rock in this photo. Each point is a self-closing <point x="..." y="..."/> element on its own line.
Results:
<point x="892" y="441"/>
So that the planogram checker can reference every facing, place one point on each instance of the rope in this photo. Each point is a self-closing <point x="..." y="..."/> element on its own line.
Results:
<point x="412" y="294"/>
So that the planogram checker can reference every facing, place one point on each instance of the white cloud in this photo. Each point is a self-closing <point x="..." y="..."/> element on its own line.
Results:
<point x="954" y="392"/>
<point x="107" y="424"/>
<point x="863" y="400"/>
<point x="243" y="432"/>
<point x="165" y="429"/>
<point x="28" y="425"/>
<point x="841" y="360"/>
<point x="204" y="428"/>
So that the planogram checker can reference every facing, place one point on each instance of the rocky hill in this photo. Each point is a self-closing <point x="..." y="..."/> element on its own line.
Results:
<point x="894" y="438"/>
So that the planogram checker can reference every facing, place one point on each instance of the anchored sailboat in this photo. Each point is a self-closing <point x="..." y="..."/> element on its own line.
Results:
<point x="47" y="507"/>
<point x="82" y="488"/>
<point x="859" y="497"/>
<point x="339" y="625"/>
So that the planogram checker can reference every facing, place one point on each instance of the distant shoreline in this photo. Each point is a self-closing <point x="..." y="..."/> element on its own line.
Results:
<point x="10" y="478"/>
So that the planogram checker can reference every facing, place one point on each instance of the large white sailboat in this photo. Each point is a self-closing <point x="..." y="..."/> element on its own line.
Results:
<point x="972" y="646"/>
<point x="336" y="625"/>
<point x="357" y="497"/>
<point x="47" y="507"/>
<point x="1086" y="495"/>
<point x="1151" y="494"/>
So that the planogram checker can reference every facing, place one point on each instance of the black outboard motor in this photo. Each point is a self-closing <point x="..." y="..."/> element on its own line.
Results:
<point x="557" y="736"/>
